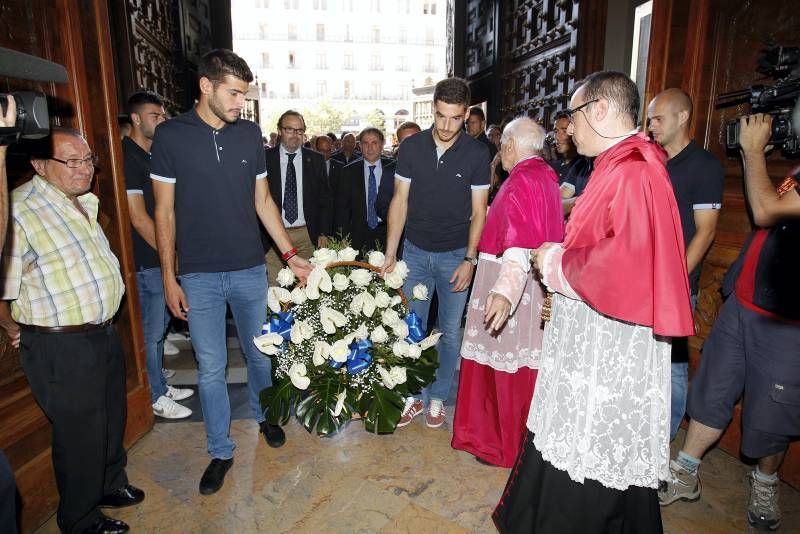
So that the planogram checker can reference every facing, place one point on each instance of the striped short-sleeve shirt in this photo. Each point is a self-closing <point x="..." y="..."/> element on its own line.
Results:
<point x="58" y="267"/>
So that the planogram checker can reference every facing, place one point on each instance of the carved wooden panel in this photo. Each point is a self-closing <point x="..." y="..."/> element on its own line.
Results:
<point x="481" y="36"/>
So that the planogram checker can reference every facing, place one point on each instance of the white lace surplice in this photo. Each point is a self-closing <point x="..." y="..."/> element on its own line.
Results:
<point x="601" y="405"/>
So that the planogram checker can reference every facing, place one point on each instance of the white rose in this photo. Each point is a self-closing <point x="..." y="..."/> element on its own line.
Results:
<point x="301" y="331"/>
<point x="376" y="258"/>
<point x="379" y="335"/>
<point x="285" y="277"/>
<point x="382" y="299"/>
<point x="276" y="295"/>
<point x="386" y="377"/>
<point x="331" y="319"/>
<point x="347" y="254"/>
<point x="400" y="330"/>
<point x="269" y="343"/>
<point x="321" y="352"/>
<point x="413" y="351"/>
<point x="430" y="341"/>
<point x="298" y="295"/>
<point x="393" y="280"/>
<point x="297" y="374"/>
<point x="390" y="318"/>
<point x="323" y="256"/>
<point x="340" y="282"/>
<point x="361" y="277"/>
<point x="401" y="268"/>
<point x="339" y="403"/>
<point x="398" y="374"/>
<point x="319" y="279"/>
<point x="339" y="350"/>
<point x="400" y="348"/>
<point x="395" y="301"/>
<point x="420" y="292"/>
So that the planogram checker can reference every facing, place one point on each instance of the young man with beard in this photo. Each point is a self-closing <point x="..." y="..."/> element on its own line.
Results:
<point x="440" y="195"/>
<point x="573" y="169"/>
<point x="209" y="179"/>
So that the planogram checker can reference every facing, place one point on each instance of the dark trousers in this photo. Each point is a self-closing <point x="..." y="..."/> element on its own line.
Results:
<point x="8" y="497"/>
<point x="79" y="382"/>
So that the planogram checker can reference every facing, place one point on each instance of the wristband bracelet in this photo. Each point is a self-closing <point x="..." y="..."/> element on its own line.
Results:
<point x="289" y="254"/>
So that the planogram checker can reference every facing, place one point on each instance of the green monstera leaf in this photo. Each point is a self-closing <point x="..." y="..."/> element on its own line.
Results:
<point x="381" y="410"/>
<point x="419" y="374"/>
<point x="278" y="400"/>
<point x="315" y="412"/>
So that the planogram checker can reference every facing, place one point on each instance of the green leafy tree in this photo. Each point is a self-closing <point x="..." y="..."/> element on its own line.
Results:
<point x="377" y="119"/>
<point x="324" y="118"/>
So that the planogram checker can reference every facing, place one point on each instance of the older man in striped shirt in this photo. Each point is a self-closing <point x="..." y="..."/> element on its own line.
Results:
<point x="64" y="287"/>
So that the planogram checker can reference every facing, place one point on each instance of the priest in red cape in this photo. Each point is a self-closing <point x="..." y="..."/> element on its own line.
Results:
<point x="598" y="426"/>
<point x="503" y="334"/>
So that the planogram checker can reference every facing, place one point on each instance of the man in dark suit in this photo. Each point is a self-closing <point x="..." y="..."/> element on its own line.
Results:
<point x="348" y="153"/>
<point x="359" y="185"/>
<point x="297" y="181"/>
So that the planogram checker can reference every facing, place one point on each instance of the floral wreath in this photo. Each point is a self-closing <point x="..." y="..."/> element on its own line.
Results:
<point x="345" y="344"/>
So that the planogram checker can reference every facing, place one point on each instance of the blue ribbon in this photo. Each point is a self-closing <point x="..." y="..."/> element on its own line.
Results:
<point x="279" y="323"/>
<point x="415" y="331"/>
<point x="358" y="359"/>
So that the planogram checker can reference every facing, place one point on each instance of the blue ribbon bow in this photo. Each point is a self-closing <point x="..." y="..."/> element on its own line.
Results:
<point x="279" y="323"/>
<point x="358" y="359"/>
<point x="415" y="331"/>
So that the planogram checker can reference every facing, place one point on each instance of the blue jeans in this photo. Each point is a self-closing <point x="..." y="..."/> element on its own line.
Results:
<point x="245" y="291"/>
<point x="155" y="319"/>
<point x="680" y="390"/>
<point x="434" y="270"/>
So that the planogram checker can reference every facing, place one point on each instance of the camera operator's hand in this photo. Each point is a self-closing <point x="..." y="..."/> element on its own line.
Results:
<point x="754" y="132"/>
<point x="9" y="118"/>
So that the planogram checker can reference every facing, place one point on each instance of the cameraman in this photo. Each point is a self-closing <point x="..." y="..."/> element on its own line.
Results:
<point x="754" y="346"/>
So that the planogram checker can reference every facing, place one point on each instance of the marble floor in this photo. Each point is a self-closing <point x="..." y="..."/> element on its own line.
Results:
<point x="411" y="482"/>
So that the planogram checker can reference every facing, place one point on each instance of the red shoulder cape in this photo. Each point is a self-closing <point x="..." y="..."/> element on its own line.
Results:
<point x="623" y="249"/>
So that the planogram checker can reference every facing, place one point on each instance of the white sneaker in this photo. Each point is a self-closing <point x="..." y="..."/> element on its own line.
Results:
<point x="178" y="394"/>
<point x="169" y="409"/>
<point x="170" y="349"/>
<point x="177" y="336"/>
<point x="168" y="373"/>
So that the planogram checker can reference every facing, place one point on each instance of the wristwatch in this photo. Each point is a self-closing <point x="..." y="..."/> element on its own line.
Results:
<point x="473" y="261"/>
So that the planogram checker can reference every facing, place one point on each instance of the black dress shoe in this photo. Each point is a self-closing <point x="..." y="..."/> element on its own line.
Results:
<point x="273" y="434"/>
<point x="214" y="476"/>
<point x="125" y="496"/>
<point x="106" y="525"/>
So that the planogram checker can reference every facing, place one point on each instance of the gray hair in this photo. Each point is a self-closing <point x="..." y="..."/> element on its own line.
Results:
<point x="527" y="134"/>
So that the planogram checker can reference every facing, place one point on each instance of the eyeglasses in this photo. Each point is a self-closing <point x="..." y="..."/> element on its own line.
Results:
<point x="571" y="112"/>
<point x="75" y="163"/>
<point x="292" y="131"/>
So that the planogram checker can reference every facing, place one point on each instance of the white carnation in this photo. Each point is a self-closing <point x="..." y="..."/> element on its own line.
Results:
<point x="393" y="280"/>
<point x="379" y="335"/>
<point x="285" y="277"/>
<point x="298" y="295"/>
<point x="376" y="258"/>
<point x="361" y="277"/>
<point x="382" y="299"/>
<point x="347" y="254"/>
<point x="340" y="282"/>
<point x="420" y="292"/>
<point x="297" y="374"/>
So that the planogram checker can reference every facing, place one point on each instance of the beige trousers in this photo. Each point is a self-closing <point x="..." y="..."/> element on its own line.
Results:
<point x="300" y="241"/>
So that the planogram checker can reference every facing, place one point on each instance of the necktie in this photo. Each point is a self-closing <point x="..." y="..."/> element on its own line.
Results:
<point x="372" y="194"/>
<point x="290" y="195"/>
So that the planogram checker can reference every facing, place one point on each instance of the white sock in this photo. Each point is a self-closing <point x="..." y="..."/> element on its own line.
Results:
<point x="766" y="479"/>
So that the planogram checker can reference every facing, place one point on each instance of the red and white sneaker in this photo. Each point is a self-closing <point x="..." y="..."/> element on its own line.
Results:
<point x="435" y="415"/>
<point x="412" y="409"/>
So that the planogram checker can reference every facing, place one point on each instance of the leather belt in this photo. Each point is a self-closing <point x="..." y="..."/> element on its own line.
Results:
<point x="70" y="329"/>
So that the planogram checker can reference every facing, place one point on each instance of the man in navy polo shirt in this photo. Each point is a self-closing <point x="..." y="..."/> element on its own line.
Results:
<point x="440" y="195"/>
<point x="208" y="170"/>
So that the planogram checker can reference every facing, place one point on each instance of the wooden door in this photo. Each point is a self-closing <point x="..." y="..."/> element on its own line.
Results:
<point x="74" y="33"/>
<point x="709" y="47"/>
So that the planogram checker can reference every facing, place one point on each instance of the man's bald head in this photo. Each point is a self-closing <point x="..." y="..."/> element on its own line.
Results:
<point x="668" y="119"/>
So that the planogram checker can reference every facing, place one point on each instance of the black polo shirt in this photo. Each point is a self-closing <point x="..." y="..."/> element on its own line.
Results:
<point x="440" y="195"/>
<point x="698" y="180"/>
<point x="137" y="182"/>
<point x="215" y="173"/>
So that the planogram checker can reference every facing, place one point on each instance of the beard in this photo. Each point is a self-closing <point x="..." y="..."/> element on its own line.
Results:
<point x="217" y="109"/>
